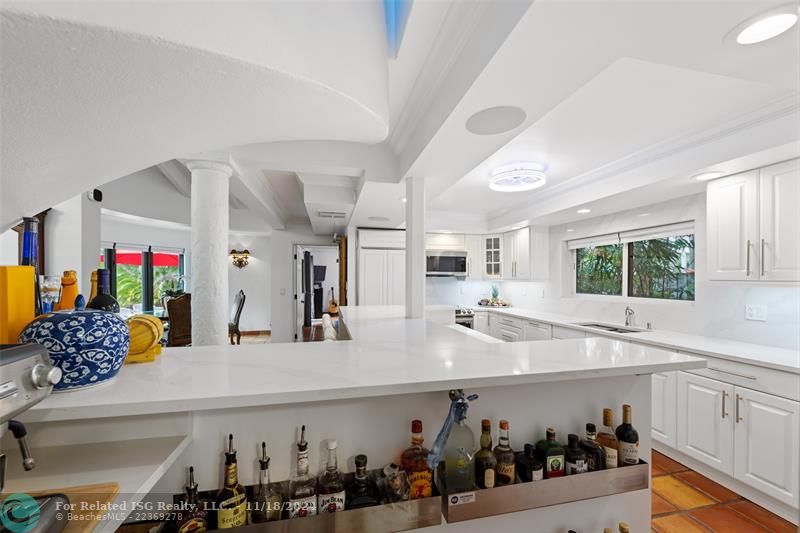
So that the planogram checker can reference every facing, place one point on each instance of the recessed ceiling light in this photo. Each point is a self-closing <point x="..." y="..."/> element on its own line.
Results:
<point x="496" y="120"/>
<point x="404" y="200"/>
<point x="584" y="211"/>
<point x="570" y="230"/>
<point x="378" y="219"/>
<point x="705" y="176"/>
<point x="516" y="177"/>
<point x="766" y="25"/>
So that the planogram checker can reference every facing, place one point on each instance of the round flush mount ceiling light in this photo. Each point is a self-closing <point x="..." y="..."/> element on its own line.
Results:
<point x="496" y="120"/>
<point x="705" y="176"/>
<point x="766" y="25"/>
<point x="517" y="177"/>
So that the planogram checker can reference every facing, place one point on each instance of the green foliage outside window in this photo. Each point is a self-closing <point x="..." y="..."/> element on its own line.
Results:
<point x="662" y="268"/>
<point x="129" y="285"/>
<point x="599" y="270"/>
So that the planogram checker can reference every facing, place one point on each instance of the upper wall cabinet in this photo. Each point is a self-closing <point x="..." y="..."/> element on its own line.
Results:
<point x="474" y="246"/>
<point x="493" y="249"/>
<point x="381" y="238"/>
<point x="517" y="254"/>
<point x="445" y="241"/>
<point x="754" y="225"/>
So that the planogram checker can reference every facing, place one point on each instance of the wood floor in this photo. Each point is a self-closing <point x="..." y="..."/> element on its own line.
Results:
<point x="686" y="502"/>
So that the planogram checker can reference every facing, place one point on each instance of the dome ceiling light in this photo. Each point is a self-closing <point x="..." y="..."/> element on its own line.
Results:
<point x="766" y="25"/>
<point x="518" y="177"/>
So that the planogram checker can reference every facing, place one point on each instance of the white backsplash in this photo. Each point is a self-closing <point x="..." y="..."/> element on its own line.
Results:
<point x="454" y="291"/>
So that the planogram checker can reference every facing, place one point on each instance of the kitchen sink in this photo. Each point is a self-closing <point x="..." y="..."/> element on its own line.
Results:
<point x="608" y="327"/>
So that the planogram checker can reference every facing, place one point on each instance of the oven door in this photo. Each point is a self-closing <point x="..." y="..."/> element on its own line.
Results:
<point x="446" y="263"/>
<point x="466" y="321"/>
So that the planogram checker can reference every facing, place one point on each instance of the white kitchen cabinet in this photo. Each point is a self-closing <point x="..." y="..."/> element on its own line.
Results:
<point x="505" y="328"/>
<point x="474" y="247"/>
<point x="664" y="391"/>
<point x="766" y="443"/>
<point x="396" y="277"/>
<point x="480" y="322"/>
<point x="779" y="222"/>
<point x="705" y="424"/>
<point x="381" y="277"/>
<point x="560" y="332"/>
<point x="445" y="241"/>
<point x="517" y="254"/>
<point x="732" y="219"/>
<point x="492" y="251"/>
<point x="536" y="331"/>
<point x="382" y="238"/>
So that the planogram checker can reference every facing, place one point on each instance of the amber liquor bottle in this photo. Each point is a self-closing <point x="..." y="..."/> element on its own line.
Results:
<point x="506" y="465"/>
<point x="414" y="462"/>
<point x="628" y="439"/>
<point x="608" y="440"/>
<point x="231" y="501"/>
<point x="330" y="494"/>
<point x="485" y="461"/>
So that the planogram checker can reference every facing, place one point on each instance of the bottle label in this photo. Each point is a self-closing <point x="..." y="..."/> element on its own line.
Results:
<point x="611" y="457"/>
<point x="231" y="513"/>
<point x="629" y="453"/>
<point x="537" y="475"/>
<point x="555" y="466"/>
<point x="231" y="475"/>
<point x="194" y="525"/>
<point x="303" y="507"/>
<point x="506" y="474"/>
<point x="488" y="478"/>
<point x="578" y="467"/>
<point x="330" y="503"/>
<point x="421" y="483"/>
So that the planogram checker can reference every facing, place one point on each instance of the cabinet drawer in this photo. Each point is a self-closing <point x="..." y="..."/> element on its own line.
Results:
<point x="508" y="321"/>
<point x="758" y="378"/>
<point x="567" y="333"/>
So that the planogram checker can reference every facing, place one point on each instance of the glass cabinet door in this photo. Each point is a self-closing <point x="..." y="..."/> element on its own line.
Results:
<point x="492" y="251"/>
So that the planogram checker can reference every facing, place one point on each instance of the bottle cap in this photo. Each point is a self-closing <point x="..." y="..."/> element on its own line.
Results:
<point x="530" y="449"/>
<point x="416" y="426"/>
<point x="361" y="460"/>
<point x="504" y="424"/>
<point x="591" y="428"/>
<point x="486" y="424"/>
<point x="608" y="417"/>
<point x="572" y="439"/>
<point x="551" y="431"/>
<point x="331" y="444"/>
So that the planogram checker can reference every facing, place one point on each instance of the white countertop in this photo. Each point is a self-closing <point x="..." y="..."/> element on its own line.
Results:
<point x="388" y="355"/>
<point x="756" y="354"/>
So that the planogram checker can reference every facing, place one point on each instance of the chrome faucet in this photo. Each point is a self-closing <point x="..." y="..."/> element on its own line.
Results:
<point x="629" y="316"/>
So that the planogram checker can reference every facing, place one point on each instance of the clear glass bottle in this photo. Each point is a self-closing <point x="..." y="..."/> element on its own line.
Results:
<point x="551" y="453"/>
<point x="414" y="463"/>
<point x="575" y="457"/>
<point x="362" y="492"/>
<point x="192" y="517"/>
<point x="459" y="465"/>
<point x="393" y="485"/>
<point x="267" y="503"/>
<point x="485" y="461"/>
<point x="608" y="440"/>
<point x="506" y="466"/>
<point x="231" y="501"/>
<point x="595" y="454"/>
<point x="628" y="439"/>
<point x="303" y="486"/>
<point x="330" y="488"/>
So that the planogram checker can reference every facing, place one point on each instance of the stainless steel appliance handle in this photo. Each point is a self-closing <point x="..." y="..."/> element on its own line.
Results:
<point x="745" y="376"/>
<point x="748" y="258"/>
<point x="763" y="270"/>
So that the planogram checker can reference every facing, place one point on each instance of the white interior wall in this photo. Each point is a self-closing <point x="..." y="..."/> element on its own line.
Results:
<point x="454" y="291"/>
<point x="72" y="239"/>
<point x="9" y="247"/>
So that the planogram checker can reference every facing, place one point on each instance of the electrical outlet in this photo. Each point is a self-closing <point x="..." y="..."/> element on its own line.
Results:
<point x="755" y="312"/>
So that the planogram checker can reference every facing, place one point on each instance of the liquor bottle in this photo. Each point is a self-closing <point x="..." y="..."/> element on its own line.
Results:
<point x="485" y="461"/>
<point x="608" y="440"/>
<point x="330" y="488"/>
<point x="231" y="501"/>
<point x="459" y="460"/>
<point x="93" y="285"/>
<point x="628" y="439"/>
<point x="192" y="517"/>
<point x="303" y="486"/>
<point x="506" y="466"/>
<point x="104" y="301"/>
<point x="595" y="454"/>
<point x="624" y="528"/>
<point x="575" y="457"/>
<point x="607" y="530"/>
<point x="414" y="463"/>
<point x="551" y="453"/>
<point x="362" y="492"/>
<point x="69" y="290"/>
<point x="30" y="257"/>
<point x="393" y="485"/>
<point x="267" y="503"/>
<point x="529" y="468"/>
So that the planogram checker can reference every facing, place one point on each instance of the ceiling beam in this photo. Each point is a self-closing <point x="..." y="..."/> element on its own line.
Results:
<point x="178" y="175"/>
<point x="256" y="194"/>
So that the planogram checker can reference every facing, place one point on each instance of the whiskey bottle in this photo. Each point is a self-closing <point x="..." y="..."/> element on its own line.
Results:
<point x="267" y="503"/>
<point x="393" y="485"/>
<point x="192" y="517"/>
<point x="414" y="463"/>
<point x="331" y="494"/>
<point x="608" y="440"/>
<point x="231" y="501"/>
<point x="551" y="453"/>
<point x="595" y="454"/>
<point x="529" y="468"/>
<point x="575" y="457"/>
<point x="302" y="487"/>
<point x="485" y="461"/>
<point x="506" y="466"/>
<point x="362" y="491"/>
<point x="628" y="439"/>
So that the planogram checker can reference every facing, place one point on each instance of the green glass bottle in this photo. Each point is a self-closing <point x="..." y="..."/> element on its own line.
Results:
<point x="551" y="453"/>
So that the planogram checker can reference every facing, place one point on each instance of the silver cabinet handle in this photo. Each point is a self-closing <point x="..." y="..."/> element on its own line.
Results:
<point x="748" y="258"/>
<point x="738" y="418"/>
<point x="745" y="376"/>
<point x="724" y="395"/>
<point x="763" y="270"/>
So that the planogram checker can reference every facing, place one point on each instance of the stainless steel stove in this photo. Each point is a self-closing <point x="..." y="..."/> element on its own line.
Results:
<point x="465" y="317"/>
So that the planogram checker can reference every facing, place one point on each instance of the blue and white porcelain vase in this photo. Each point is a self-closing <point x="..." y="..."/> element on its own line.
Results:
<point x="88" y="345"/>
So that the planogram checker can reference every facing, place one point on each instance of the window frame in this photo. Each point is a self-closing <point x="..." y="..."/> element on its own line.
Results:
<point x="147" y="270"/>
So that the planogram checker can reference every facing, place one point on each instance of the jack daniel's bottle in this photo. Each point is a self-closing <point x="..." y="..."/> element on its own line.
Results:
<point x="231" y="500"/>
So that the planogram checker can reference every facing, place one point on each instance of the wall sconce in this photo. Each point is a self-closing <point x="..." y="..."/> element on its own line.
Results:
<point x="240" y="258"/>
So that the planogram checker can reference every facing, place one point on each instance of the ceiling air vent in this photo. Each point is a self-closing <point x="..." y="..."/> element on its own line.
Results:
<point x="330" y="214"/>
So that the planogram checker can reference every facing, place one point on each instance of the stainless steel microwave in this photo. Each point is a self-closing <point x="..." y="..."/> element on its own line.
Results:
<point x="445" y="263"/>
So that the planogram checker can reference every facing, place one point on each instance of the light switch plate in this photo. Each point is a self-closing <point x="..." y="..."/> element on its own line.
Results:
<point x="755" y="312"/>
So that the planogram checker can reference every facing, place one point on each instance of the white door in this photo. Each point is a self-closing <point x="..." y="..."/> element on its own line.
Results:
<point x="705" y="424"/>
<point x="396" y="277"/>
<point x="372" y="270"/>
<point x="664" y="393"/>
<point x="474" y="256"/>
<point x="779" y="247"/>
<point x="522" y="253"/>
<point x="534" y="331"/>
<point x="732" y="209"/>
<point x="480" y="322"/>
<point x="767" y="443"/>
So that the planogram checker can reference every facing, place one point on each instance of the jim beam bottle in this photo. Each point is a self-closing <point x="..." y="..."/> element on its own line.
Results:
<point x="628" y="439"/>
<point x="303" y="486"/>
<point x="231" y="501"/>
<point x="331" y="495"/>
<point x="414" y="463"/>
<point x="608" y="440"/>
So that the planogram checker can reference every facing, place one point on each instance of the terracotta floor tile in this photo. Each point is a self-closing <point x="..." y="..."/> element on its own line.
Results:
<point x="721" y="518"/>
<point x="770" y="521"/>
<point x="659" y="505"/>
<point x="680" y="494"/>
<point x="715" y="490"/>
<point x="677" y="523"/>
<point x="666" y="464"/>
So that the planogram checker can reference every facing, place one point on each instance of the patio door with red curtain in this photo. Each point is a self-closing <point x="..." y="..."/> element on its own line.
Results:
<point x="140" y="275"/>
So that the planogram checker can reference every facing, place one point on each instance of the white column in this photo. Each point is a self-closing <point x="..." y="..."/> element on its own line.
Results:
<point x="209" y="254"/>
<point x="415" y="247"/>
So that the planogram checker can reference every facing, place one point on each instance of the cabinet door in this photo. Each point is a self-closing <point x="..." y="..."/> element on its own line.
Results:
<point x="767" y="441"/>
<point x="779" y="247"/>
<point x="534" y="331"/>
<point x="444" y="241"/>
<point x="705" y="424"/>
<point x="474" y="256"/>
<point x="481" y="322"/>
<point x="664" y="393"/>
<point x="492" y="250"/>
<point x="522" y="253"/>
<point x="509" y="242"/>
<point x="372" y="268"/>
<point x="396" y="277"/>
<point x="567" y="333"/>
<point x="732" y="209"/>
